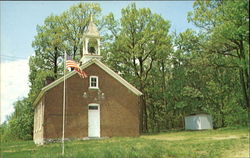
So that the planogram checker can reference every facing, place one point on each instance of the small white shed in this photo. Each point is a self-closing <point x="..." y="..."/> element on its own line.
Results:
<point x="198" y="122"/>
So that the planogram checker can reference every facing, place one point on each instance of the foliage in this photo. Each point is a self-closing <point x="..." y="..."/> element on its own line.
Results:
<point x="140" y="38"/>
<point x="197" y="76"/>
<point x="59" y="34"/>
<point x="204" y="82"/>
<point x="226" y="24"/>
<point x="20" y="123"/>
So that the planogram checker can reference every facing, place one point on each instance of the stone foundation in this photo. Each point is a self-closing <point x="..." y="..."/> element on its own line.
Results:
<point x="57" y="140"/>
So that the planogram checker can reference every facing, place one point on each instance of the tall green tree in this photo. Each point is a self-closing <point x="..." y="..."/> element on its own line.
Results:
<point x="48" y="43"/>
<point x="59" y="34"/>
<point x="226" y="24"/>
<point x="202" y="81"/>
<point x="140" y="37"/>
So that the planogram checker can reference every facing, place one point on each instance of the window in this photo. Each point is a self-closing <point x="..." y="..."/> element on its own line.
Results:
<point x="93" y="82"/>
<point x="92" y="107"/>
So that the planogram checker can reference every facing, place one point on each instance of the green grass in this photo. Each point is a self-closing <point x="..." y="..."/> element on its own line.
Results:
<point x="178" y="144"/>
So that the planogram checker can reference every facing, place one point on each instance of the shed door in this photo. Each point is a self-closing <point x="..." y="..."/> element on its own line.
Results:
<point x="94" y="120"/>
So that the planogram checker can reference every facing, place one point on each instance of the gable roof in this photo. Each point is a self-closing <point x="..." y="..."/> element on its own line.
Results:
<point x="85" y="65"/>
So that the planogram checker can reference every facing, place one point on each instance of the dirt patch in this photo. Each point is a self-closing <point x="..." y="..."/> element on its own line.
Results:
<point x="223" y="138"/>
<point x="165" y="138"/>
<point x="19" y="145"/>
<point x="10" y="151"/>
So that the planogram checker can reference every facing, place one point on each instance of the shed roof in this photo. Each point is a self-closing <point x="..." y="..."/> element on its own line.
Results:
<point x="85" y="65"/>
<point x="197" y="114"/>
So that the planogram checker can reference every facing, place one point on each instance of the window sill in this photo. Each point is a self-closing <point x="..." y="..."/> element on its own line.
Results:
<point x="93" y="87"/>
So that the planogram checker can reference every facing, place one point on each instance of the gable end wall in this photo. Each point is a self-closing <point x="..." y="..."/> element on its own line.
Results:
<point x="119" y="110"/>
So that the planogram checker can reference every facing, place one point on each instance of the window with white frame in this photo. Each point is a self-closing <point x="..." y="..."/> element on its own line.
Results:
<point x="93" y="82"/>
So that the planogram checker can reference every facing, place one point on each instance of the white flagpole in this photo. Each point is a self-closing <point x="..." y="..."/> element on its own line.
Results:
<point x="64" y="94"/>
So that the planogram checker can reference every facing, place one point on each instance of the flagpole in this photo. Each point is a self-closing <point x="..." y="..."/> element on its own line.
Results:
<point x="64" y="94"/>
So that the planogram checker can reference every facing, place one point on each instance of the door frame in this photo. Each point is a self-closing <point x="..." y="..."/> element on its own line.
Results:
<point x="99" y="111"/>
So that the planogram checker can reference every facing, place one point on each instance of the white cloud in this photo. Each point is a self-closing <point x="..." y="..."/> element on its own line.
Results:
<point x="14" y="84"/>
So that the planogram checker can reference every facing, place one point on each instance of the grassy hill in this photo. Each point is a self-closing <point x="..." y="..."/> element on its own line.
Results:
<point x="175" y="144"/>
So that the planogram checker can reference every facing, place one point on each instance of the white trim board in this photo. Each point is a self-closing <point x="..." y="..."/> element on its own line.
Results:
<point x="85" y="65"/>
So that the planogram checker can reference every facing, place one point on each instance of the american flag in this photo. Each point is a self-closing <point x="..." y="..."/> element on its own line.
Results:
<point x="72" y="65"/>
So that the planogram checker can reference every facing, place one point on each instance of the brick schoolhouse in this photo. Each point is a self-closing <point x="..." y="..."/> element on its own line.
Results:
<point x="101" y="105"/>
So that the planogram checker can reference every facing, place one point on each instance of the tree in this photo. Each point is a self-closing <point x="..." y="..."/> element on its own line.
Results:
<point x="226" y="24"/>
<point x="74" y="22"/>
<point x="139" y="39"/>
<point x="20" y="123"/>
<point x="59" y="34"/>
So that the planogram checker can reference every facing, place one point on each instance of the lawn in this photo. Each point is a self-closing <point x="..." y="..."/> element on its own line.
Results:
<point x="219" y="143"/>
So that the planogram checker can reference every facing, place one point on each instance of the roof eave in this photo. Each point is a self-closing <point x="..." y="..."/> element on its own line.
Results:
<point x="118" y="77"/>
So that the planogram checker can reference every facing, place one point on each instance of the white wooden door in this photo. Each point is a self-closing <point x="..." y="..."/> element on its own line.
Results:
<point x="94" y="120"/>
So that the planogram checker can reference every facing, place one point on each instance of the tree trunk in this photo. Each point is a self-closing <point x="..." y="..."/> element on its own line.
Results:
<point x="244" y="74"/>
<point x="145" y="115"/>
<point x="55" y="63"/>
<point x="141" y="115"/>
<point x="244" y="88"/>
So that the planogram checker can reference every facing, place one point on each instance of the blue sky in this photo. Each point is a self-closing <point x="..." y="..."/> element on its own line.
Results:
<point x="18" y="28"/>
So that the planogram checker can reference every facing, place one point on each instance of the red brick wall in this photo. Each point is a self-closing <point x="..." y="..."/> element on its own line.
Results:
<point x="119" y="110"/>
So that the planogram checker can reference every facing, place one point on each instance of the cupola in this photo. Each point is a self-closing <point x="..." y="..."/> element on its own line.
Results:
<point x="91" y="43"/>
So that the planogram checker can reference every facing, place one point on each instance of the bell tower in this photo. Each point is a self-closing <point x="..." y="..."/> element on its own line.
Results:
<point x="91" y="43"/>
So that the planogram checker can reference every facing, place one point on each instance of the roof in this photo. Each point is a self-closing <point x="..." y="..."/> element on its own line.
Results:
<point x="85" y="65"/>
<point x="92" y="29"/>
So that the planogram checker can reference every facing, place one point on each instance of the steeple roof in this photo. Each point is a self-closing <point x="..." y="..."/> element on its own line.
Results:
<point x="92" y="29"/>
